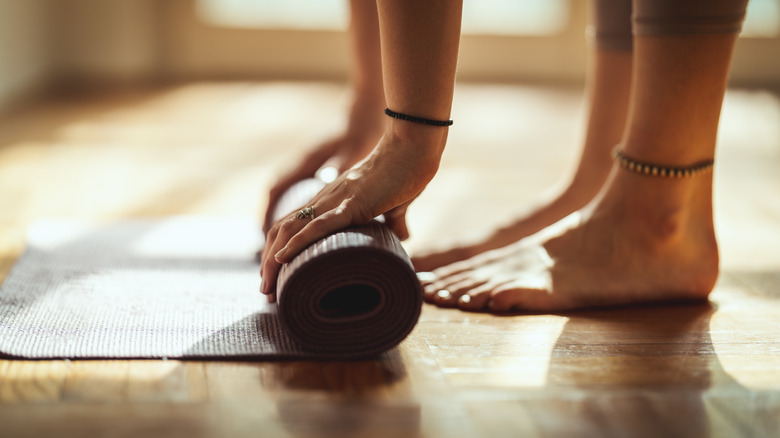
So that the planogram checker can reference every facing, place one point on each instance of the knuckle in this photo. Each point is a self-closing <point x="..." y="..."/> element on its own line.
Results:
<point x="356" y="211"/>
<point x="274" y="229"/>
<point x="287" y="225"/>
<point x="318" y="225"/>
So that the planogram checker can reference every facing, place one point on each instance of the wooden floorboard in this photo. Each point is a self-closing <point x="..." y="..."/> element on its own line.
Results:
<point x="710" y="369"/>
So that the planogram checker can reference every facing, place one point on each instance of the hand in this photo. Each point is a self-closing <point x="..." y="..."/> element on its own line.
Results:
<point x="340" y="152"/>
<point x="385" y="182"/>
<point x="365" y="125"/>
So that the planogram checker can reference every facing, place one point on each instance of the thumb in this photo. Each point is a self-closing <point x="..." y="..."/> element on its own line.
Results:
<point x="396" y="220"/>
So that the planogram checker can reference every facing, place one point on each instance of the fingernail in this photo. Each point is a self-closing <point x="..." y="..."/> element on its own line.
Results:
<point x="262" y="287"/>
<point x="465" y="299"/>
<point x="280" y="254"/>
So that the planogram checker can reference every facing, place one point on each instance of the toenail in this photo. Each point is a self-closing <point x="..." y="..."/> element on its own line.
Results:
<point x="465" y="299"/>
<point x="426" y="277"/>
<point x="444" y="294"/>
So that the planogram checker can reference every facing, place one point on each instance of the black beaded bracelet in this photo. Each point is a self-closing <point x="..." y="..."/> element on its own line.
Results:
<point x="414" y="119"/>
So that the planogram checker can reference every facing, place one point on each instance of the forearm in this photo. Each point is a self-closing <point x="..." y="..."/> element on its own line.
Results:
<point x="419" y="57"/>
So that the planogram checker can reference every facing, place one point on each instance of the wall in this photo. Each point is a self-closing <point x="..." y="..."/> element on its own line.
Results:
<point x="91" y="42"/>
<point x="25" y="62"/>
<point x="195" y="48"/>
<point x="116" y="40"/>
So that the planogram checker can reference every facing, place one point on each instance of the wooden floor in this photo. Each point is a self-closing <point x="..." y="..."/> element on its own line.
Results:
<point x="212" y="148"/>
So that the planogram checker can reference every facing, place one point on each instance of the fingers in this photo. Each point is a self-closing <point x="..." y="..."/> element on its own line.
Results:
<point x="313" y="231"/>
<point x="267" y="272"/>
<point x="277" y="237"/>
<point x="289" y="236"/>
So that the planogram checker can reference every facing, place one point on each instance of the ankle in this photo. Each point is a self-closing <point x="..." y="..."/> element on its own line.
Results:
<point x="662" y="226"/>
<point x="661" y="213"/>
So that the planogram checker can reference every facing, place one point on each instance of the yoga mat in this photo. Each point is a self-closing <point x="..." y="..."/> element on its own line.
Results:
<point x="187" y="287"/>
<point x="353" y="292"/>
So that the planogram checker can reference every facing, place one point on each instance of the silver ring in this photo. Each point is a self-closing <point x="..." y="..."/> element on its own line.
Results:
<point x="305" y="213"/>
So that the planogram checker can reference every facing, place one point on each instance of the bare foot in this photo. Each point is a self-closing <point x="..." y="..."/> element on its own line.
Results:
<point x="545" y="213"/>
<point x="627" y="247"/>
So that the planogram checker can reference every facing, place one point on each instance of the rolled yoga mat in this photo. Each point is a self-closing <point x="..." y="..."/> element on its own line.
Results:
<point x="352" y="293"/>
<point x="186" y="287"/>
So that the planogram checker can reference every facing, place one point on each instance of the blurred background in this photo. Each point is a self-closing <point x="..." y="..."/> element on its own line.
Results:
<point x="49" y="45"/>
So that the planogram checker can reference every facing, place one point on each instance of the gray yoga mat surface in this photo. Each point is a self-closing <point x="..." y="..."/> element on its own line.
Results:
<point x="183" y="287"/>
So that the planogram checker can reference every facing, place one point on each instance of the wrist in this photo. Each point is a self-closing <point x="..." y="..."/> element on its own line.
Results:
<point x="420" y="146"/>
<point x="425" y="137"/>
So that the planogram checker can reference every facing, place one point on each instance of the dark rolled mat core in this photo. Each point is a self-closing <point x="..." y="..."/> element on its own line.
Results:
<point x="353" y="293"/>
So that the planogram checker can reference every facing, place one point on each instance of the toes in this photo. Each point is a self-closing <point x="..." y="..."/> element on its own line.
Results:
<point x="450" y="297"/>
<point x="499" y="305"/>
<point x="504" y="299"/>
<point x="443" y="298"/>
<point x="432" y="293"/>
<point x="446" y="292"/>
<point x="426" y="278"/>
<point x="476" y="298"/>
<point x="431" y="290"/>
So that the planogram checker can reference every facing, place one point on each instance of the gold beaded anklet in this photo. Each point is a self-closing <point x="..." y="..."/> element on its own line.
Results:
<point x="650" y="169"/>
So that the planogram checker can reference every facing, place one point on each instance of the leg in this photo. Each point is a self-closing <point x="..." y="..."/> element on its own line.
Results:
<point x="608" y="87"/>
<point x="365" y="122"/>
<point x="645" y="238"/>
